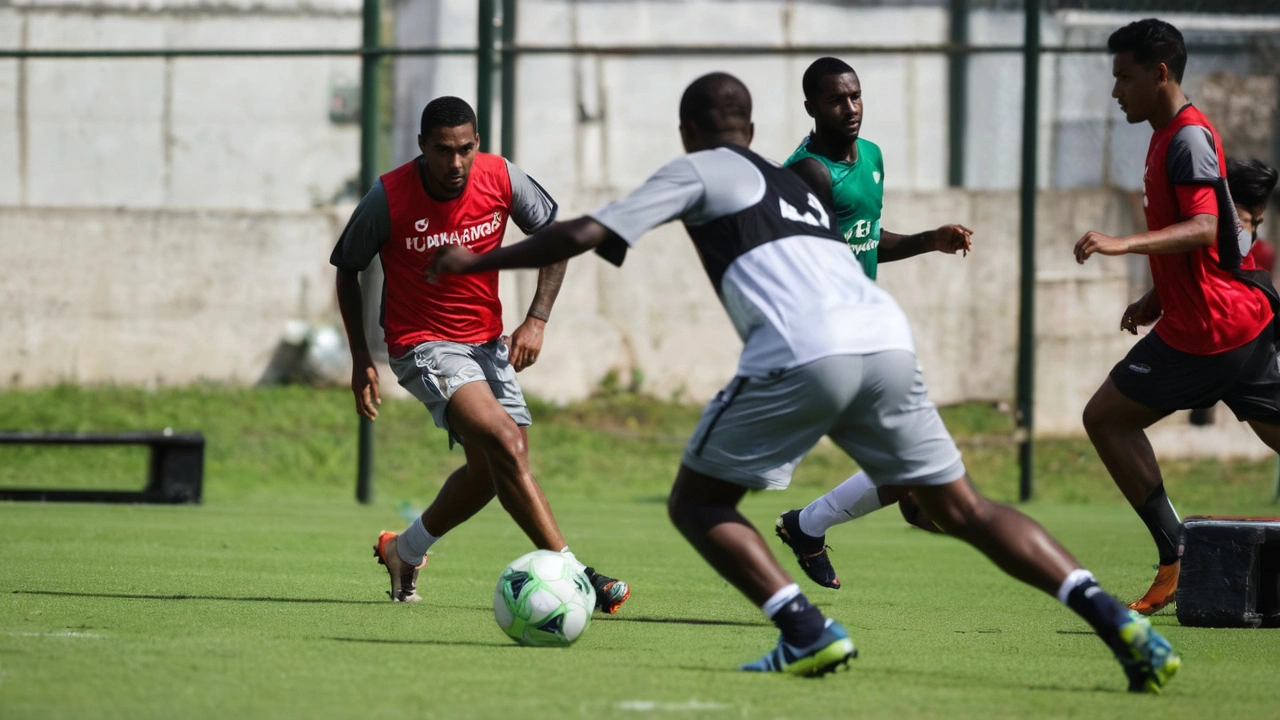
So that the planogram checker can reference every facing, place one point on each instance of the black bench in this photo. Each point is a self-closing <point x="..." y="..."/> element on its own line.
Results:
<point x="175" y="473"/>
<point x="1230" y="575"/>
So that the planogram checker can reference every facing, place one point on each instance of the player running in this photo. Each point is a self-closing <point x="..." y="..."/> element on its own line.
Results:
<point x="847" y="171"/>
<point x="1214" y="339"/>
<point x="827" y="352"/>
<point x="445" y="339"/>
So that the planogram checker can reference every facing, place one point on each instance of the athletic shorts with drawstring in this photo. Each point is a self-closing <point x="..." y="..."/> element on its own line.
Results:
<point x="433" y="371"/>
<point x="875" y="407"/>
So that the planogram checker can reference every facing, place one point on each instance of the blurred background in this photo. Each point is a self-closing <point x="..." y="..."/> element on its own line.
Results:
<point x="174" y="174"/>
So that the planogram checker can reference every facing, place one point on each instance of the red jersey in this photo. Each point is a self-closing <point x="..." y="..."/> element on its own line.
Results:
<point x="1206" y="310"/>
<point x="459" y="308"/>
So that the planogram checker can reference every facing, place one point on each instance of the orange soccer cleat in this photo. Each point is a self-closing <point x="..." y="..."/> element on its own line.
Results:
<point x="404" y="578"/>
<point x="1164" y="590"/>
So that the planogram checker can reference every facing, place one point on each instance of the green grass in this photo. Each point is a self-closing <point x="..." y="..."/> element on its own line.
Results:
<point x="266" y="602"/>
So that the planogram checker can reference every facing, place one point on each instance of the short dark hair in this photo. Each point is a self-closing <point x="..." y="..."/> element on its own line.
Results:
<point x="819" y="69"/>
<point x="447" y="111"/>
<point x="1251" y="181"/>
<point x="716" y="102"/>
<point x="1152" y="41"/>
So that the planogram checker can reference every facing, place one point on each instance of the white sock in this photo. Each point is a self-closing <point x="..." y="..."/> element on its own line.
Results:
<point x="413" y="543"/>
<point x="576" y="562"/>
<point x="849" y="500"/>
<point x="1075" y="579"/>
<point x="780" y="599"/>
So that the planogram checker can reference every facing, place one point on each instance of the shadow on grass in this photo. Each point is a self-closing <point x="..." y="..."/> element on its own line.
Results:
<point x="229" y="598"/>
<point x="680" y="621"/>
<point x="383" y="641"/>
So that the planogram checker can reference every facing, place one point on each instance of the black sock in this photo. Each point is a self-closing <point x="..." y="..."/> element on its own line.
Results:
<point x="1157" y="512"/>
<point x="1103" y="612"/>
<point x="800" y="622"/>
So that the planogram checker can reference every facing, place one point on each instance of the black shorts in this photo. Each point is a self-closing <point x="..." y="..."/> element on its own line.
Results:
<point x="1247" y="379"/>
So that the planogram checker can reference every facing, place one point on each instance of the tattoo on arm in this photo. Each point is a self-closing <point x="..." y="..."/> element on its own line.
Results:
<point x="550" y="278"/>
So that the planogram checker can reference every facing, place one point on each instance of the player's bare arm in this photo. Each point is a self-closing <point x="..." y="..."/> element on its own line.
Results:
<point x="1197" y="232"/>
<point x="364" y="374"/>
<point x="546" y="247"/>
<point x="1141" y="312"/>
<point x="526" y="341"/>
<point x="950" y="239"/>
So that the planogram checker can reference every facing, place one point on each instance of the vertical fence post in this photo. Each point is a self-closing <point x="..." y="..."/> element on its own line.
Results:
<point x="508" y="79"/>
<point x="958" y="91"/>
<point x="372" y="38"/>
<point x="484" y="72"/>
<point x="1027" y="259"/>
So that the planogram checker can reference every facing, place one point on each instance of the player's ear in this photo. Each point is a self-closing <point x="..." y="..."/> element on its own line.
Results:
<point x="422" y="144"/>
<point x="751" y="133"/>
<point x="808" y="108"/>
<point x="685" y="138"/>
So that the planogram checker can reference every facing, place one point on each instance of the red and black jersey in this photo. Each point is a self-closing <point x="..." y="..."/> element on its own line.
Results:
<point x="399" y="220"/>
<point x="1206" y="309"/>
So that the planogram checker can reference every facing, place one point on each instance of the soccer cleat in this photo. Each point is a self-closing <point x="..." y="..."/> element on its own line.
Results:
<point x="1147" y="658"/>
<point x="831" y="650"/>
<point x="811" y="552"/>
<point x="610" y="592"/>
<point x="1163" y="590"/>
<point x="404" y="577"/>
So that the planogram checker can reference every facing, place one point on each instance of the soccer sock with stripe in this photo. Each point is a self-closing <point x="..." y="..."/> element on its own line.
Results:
<point x="1080" y="592"/>
<point x="1163" y="523"/>
<point x="799" y="621"/>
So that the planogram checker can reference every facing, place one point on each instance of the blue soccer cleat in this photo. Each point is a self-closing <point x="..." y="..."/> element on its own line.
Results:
<point x="831" y="650"/>
<point x="1147" y="658"/>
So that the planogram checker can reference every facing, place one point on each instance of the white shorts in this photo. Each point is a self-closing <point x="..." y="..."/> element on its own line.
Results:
<point x="434" y="371"/>
<point x="874" y="407"/>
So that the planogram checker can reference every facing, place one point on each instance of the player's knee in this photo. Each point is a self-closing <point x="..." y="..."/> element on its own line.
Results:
<point x="506" y="443"/>
<point x="1095" y="416"/>
<point x="963" y="515"/>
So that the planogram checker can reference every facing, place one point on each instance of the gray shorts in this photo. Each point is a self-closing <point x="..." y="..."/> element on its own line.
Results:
<point x="874" y="407"/>
<point x="434" y="371"/>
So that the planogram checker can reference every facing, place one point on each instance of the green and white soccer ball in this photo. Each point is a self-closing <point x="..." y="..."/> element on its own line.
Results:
<point x="543" y="599"/>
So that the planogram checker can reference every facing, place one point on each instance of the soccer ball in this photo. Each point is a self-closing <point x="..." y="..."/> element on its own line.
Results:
<point x="543" y="599"/>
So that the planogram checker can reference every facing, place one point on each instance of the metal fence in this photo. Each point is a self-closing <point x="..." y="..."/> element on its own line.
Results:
<point x="1215" y="39"/>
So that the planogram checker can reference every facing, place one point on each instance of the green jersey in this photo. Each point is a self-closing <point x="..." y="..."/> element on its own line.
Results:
<point x="858" y="191"/>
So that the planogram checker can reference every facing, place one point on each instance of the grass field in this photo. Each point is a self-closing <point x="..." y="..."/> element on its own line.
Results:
<point x="266" y="602"/>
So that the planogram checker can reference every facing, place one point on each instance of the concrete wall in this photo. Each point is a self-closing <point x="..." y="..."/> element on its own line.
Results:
<point x="198" y="133"/>
<point x="171" y="296"/>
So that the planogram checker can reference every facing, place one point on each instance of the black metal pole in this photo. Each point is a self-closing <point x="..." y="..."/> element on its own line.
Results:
<point x="368" y="175"/>
<point x="508" y="79"/>
<point x="958" y="92"/>
<point x="1027" y="255"/>
<point x="484" y="72"/>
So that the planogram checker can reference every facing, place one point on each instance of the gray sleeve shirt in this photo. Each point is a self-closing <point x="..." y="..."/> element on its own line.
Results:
<point x="1191" y="157"/>
<point x="532" y="207"/>
<point x="697" y="188"/>
<point x="365" y="233"/>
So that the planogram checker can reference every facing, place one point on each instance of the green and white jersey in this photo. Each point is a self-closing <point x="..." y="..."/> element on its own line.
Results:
<point x="858" y="191"/>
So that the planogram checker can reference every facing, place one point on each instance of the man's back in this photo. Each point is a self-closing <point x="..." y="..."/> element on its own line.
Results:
<point x="773" y="254"/>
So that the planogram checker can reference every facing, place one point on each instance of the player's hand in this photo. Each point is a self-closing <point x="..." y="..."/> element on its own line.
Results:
<point x="526" y="343"/>
<point x="952" y="239"/>
<point x="1096" y="242"/>
<point x="449" y="259"/>
<point x="1140" y="313"/>
<point x="364" y="384"/>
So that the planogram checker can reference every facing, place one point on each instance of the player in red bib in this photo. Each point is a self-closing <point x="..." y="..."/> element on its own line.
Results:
<point x="445" y="339"/>
<point x="1214" y="338"/>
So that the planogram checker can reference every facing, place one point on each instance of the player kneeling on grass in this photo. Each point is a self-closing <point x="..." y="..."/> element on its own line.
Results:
<point x="827" y="352"/>
<point x="445" y="339"/>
